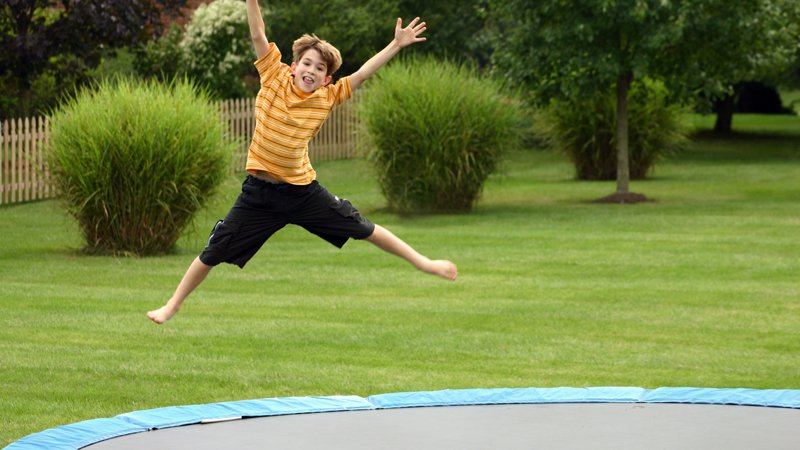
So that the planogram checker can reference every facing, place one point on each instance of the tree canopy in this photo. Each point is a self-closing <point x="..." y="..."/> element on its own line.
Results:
<point x="69" y="36"/>
<point x="563" y="48"/>
<point x="555" y="48"/>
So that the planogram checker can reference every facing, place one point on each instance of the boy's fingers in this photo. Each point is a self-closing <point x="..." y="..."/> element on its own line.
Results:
<point x="415" y="26"/>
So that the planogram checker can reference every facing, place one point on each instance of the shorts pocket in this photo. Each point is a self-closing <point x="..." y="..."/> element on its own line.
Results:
<point x="220" y="235"/>
<point x="344" y="208"/>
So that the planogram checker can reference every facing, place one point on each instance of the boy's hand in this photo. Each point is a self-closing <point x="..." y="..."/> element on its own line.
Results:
<point x="410" y="34"/>
<point x="403" y="37"/>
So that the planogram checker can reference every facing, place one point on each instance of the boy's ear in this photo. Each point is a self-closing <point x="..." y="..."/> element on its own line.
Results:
<point x="293" y="67"/>
<point x="328" y="80"/>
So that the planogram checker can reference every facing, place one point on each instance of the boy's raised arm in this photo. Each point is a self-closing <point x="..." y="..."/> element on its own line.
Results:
<point x="403" y="37"/>
<point x="258" y="31"/>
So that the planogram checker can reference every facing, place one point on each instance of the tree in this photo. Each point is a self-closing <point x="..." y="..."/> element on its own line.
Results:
<point x="569" y="49"/>
<point x="563" y="49"/>
<point x="41" y="35"/>
<point x="758" y="41"/>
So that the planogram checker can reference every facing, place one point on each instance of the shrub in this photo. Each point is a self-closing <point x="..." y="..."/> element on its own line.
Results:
<point x="162" y="58"/>
<point x="134" y="161"/>
<point x="217" y="48"/>
<point x="586" y="130"/>
<point x="436" y="130"/>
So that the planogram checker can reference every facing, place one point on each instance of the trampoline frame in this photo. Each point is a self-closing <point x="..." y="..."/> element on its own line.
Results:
<point x="85" y="433"/>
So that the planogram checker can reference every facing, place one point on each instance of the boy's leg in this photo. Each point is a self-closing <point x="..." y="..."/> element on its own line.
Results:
<point x="195" y="275"/>
<point x="336" y="220"/>
<point x="247" y="226"/>
<point x="386" y="241"/>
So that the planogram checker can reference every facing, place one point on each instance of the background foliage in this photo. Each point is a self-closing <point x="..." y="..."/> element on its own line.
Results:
<point x="217" y="49"/>
<point x="360" y="29"/>
<point x="162" y="58"/>
<point x="48" y="46"/>
<point x="52" y="46"/>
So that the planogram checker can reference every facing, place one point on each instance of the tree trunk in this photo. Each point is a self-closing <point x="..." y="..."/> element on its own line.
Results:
<point x="623" y="194"/>
<point x="724" y="108"/>
<point x="623" y="167"/>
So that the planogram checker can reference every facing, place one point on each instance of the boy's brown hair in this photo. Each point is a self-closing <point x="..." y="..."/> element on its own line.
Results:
<point x="329" y="53"/>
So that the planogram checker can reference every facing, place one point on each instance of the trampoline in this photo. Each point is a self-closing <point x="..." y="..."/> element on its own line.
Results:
<point x="523" y="418"/>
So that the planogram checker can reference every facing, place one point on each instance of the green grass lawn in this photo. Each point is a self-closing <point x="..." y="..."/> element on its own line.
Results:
<point x="697" y="288"/>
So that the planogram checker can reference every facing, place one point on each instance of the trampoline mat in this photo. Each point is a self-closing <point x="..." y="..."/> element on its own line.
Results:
<point x="557" y="426"/>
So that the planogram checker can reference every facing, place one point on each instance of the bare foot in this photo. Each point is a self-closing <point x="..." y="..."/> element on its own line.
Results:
<point x="162" y="314"/>
<point x="442" y="268"/>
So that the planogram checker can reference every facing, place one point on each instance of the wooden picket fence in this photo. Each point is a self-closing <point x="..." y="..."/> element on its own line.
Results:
<point x="24" y="175"/>
<point x="23" y="172"/>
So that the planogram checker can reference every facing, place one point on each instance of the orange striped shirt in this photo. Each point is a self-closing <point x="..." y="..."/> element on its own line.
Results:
<point x="287" y="119"/>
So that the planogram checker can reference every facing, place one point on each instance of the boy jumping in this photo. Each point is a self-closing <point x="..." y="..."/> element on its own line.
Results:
<point x="281" y="188"/>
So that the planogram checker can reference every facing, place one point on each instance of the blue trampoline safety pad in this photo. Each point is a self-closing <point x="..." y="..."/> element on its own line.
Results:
<point x="742" y="397"/>
<point x="82" y="434"/>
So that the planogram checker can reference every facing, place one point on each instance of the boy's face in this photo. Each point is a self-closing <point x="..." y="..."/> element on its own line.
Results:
<point x="311" y="72"/>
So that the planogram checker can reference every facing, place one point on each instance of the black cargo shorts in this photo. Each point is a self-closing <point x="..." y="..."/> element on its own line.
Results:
<point x="264" y="208"/>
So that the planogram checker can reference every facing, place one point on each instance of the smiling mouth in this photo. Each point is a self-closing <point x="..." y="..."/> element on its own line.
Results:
<point x="308" y="80"/>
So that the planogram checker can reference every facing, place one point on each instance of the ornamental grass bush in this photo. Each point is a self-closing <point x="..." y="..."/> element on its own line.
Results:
<point x="134" y="161"/>
<point x="436" y="131"/>
<point x="585" y="129"/>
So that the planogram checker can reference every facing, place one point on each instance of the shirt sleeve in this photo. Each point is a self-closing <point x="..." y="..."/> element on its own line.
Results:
<point x="269" y="65"/>
<point x="340" y="92"/>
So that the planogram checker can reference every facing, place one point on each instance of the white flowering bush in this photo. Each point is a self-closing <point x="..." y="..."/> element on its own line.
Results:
<point x="217" y="49"/>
